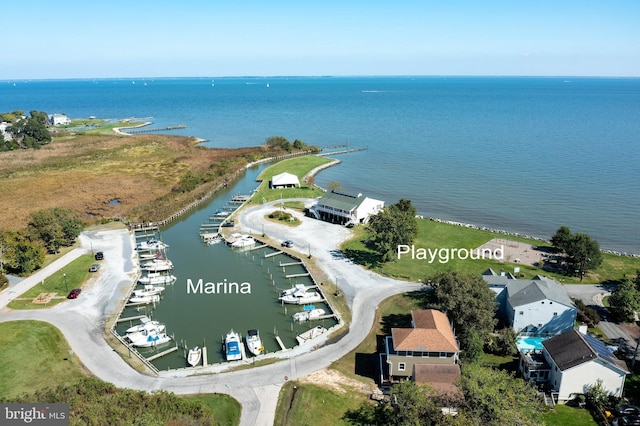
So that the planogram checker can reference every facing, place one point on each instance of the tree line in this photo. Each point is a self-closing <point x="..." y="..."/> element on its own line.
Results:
<point x="23" y="251"/>
<point x="25" y="131"/>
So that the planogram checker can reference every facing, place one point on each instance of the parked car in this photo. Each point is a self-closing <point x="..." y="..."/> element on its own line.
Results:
<point x="626" y="409"/>
<point x="94" y="268"/>
<point x="287" y="243"/>
<point x="74" y="293"/>
<point x="99" y="255"/>
<point x="228" y="224"/>
<point x="627" y="421"/>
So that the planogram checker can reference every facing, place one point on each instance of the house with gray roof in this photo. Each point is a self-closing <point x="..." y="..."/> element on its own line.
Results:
<point x="577" y="361"/>
<point x="540" y="306"/>
<point x="345" y="208"/>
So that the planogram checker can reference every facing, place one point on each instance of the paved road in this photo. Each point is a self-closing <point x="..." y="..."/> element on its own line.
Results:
<point x="82" y="320"/>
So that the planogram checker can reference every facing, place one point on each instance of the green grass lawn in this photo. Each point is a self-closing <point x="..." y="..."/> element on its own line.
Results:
<point x="436" y="235"/>
<point x="34" y="355"/>
<point x="298" y="166"/>
<point x="564" y="415"/>
<point x="61" y="282"/>
<point x="305" y="404"/>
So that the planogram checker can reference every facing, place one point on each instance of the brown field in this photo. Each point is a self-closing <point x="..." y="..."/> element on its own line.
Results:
<point x="85" y="173"/>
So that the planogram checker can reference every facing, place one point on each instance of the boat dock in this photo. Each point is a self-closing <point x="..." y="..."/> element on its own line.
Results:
<point x="306" y="274"/>
<point x="130" y="318"/>
<point x="282" y="346"/>
<point x="163" y="353"/>
<point x="290" y="264"/>
<point x="267" y="255"/>
<point x="221" y="216"/>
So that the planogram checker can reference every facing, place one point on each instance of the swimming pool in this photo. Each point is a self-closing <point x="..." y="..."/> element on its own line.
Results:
<point x="530" y="343"/>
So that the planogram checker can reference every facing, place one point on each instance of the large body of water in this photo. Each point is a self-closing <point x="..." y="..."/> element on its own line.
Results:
<point x="521" y="154"/>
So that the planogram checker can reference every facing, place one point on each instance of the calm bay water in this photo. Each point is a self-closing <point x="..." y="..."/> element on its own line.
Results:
<point x="522" y="154"/>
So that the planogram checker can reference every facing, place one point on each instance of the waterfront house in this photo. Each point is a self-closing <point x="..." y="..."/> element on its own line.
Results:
<point x="540" y="306"/>
<point x="344" y="208"/>
<point x="571" y="362"/>
<point x="430" y="341"/>
<point x="58" y="119"/>
<point x="284" y="180"/>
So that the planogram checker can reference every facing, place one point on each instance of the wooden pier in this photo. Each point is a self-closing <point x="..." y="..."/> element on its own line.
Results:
<point x="272" y="254"/>
<point x="156" y="129"/>
<point x="163" y="353"/>
<point x="282" y="346"/>
<point x="291" y="264"/>
<point x="297" y="275"/>
<point x="130" y="318"/>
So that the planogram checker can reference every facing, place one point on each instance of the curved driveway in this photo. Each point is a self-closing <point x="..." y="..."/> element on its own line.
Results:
<point x="257" y="389"/>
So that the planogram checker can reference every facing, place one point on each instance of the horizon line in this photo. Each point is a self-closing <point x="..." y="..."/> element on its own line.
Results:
<point x="280" y="76"/>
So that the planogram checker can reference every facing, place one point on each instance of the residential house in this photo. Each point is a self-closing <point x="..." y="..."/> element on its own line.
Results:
<point x="59" y="119"/>
<point x="430" y="341"/>
<point x="284" y="180"/>
<point x="540" y="306"/>
<point x="345" y="208"/>
<point x="571" y="362"/>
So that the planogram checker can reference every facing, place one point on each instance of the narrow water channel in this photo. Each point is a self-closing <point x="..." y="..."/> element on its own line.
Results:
<point x="204" y="319"/>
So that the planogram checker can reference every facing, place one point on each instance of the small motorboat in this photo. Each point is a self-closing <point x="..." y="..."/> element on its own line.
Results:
<point x="194" y="357"/>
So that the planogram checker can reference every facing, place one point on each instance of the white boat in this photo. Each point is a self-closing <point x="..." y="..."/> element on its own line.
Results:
<point x="152" y="244"/>
<point x="148" y="290"/>
<point x="194" y="356"/>
<point x="254" y="343"/>
<point x="300" y="297"/>
<point x="308" y="315"/>
<point x="145" y="299"/>
<point x="296" y="288"/>
<point x="151" y="339"/>
<point x="153" y="278"/>
<point x="158" y="265"/>
<point x="146" y="324"/>
<point x="232" y="346"/>
<point x="243" y="241"/>
<point x="311" y="334"/>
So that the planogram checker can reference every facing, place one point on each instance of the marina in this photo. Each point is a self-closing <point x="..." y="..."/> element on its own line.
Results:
<point x="266" y="270"/>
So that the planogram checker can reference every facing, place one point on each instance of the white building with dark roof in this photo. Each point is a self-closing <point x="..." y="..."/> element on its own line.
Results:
<point x="540" y="306"/>
<point x="578" y="361"/>
<point x="345" y="208"/>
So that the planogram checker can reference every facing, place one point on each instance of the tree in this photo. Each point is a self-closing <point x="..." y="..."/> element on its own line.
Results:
<point x="467" y="301"/>
<point x="31" y="132"/>
<point x="395" y="225"/>
<point x="561" y="238"/>
<point x="495" y="397"/>
<point x="625" y="301"/>
<point x="583" y="252"/>
<point x="56" y="227"/>
<point x="20" y="254"/>
<point x="414" y="404"/>
<point x="471" y="344"/>
<point x="332" y="186"/>
<point x="279" y="142"/>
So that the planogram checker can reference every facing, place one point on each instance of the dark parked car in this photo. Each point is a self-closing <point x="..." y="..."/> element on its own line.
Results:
<point x="94" y="268"/>
<point x="74" y="293"/>
<point x="99" y="255"/>
<point x="626" y="409"/>
<point x="627" y="421"/>
<point x="228" y="224"/>
<point x="287" y="243"/>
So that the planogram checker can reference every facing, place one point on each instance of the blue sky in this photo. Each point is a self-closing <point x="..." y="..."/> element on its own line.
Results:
<point x="156" y="38"/>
